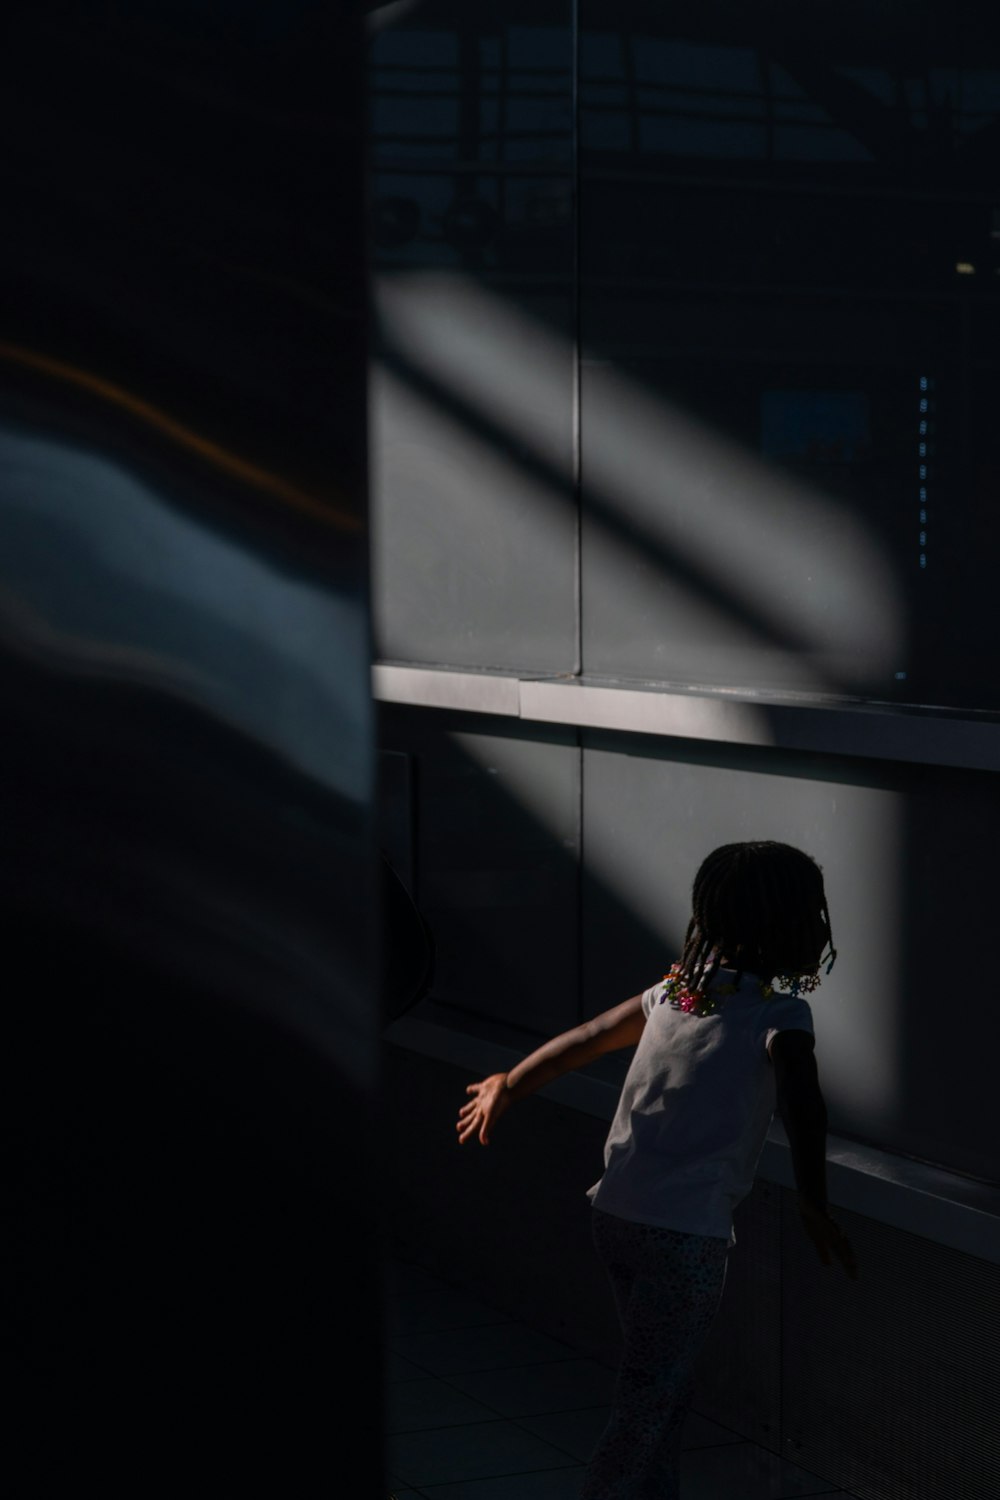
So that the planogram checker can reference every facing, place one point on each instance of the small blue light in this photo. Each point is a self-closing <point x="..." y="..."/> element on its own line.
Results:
<point x="923" y="559"/>
<point x="900" y="676"/>
<point x="923" y="382"/>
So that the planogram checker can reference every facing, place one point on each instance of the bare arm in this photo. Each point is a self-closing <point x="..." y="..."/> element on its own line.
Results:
<point x="803" y="1111"/>
<point x="491" y="1097"/>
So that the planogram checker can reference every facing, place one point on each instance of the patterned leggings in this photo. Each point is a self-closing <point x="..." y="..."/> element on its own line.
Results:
<point x="668" y="1287"/>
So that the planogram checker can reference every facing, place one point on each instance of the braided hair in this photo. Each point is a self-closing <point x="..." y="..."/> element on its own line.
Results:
<point x="761" y="906"/>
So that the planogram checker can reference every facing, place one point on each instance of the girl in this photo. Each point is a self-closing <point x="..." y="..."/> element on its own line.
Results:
<point x="716" y="1048"/>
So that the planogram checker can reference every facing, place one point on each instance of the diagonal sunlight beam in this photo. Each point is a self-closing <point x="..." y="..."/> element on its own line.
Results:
<point x="790" y="556"/>
<point x="796" y="557"/>
<point x="459" y="468"/>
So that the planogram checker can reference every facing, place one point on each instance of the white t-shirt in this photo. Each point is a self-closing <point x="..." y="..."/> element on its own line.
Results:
<point x="695" y="1109"/>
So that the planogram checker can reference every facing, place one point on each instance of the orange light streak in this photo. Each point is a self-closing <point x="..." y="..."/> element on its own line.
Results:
<point x="184" y="437"/>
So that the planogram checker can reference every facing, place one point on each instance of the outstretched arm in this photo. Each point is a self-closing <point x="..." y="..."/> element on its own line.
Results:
<point x="493" y="1096"/>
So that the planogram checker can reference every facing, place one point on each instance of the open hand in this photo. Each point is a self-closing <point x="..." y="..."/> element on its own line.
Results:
<point x="827" y="1237"/>
<point x="490" y="1099"/>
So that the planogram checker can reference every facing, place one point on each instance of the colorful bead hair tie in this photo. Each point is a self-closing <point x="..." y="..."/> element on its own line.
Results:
<point x="798" y="984"/>
<point x="806" y="980"/>
<point x="692" y="1002"/>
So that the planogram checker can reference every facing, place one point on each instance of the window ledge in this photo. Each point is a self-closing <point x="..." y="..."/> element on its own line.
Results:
<point x="789" y="721"/>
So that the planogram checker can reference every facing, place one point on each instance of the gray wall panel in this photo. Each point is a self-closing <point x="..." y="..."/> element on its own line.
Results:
<point x="474" y="511"/>
<point x="788" y="318"/>
<point x="895" y="1061"/>
<point x="703" y="564"/>
<point x="473" y="514"/>
<point x="497" y="842"/>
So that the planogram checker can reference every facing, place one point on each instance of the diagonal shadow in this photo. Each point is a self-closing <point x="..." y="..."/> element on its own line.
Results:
<point x="601" y="507"/>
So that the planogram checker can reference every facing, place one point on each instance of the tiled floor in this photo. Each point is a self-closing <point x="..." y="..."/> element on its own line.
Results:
<point x="483" y="1408"/>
